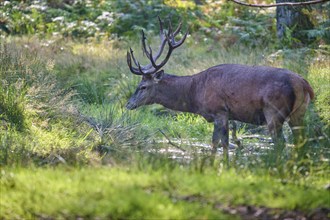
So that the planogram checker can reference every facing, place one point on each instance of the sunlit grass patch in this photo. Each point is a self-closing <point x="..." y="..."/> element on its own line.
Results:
<point x="104" y="193"/>
<point x="54" y="136"/>
<point x="47" y="144"/>
<point x="319" y="77"/>
<point x="132" y="193"/>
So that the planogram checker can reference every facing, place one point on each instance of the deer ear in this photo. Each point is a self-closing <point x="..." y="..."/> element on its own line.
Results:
<point x="158" y="76"/>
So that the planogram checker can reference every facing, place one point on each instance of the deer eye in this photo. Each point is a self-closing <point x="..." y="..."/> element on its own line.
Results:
<point x="143" y="87"/>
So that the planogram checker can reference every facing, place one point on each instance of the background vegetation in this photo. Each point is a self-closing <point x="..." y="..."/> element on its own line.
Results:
<point x="66" y="136"/>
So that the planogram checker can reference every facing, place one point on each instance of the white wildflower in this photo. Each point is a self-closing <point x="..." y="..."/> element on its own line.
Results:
<point x="38" y="7"/>
<point x="107" y="17"/>
<point x="71" y="25"/>
<point x="59" y="19"/>
<point x="88" y="23"/>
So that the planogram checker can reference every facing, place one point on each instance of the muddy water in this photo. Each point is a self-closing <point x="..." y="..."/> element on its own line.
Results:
<point x="185" y="149"/>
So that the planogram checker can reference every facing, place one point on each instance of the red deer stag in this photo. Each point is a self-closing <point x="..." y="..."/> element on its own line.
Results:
<point x="251" y="94"/>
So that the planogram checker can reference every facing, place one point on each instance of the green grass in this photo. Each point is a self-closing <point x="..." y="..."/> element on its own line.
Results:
<point x="131" y="193"/>
<point x="66" y="136"/>
<point x="319" y="78"/>
<point x="12" y="104"/>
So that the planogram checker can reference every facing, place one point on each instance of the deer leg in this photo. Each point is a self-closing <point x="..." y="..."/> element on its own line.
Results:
<point x="274" y="123"/>
<point x="298" y="132"/>
<point x="216" y="136"/>
<point x="234" y="135"/>
<point x="296" y="124"/>
<point x="221" y="133"/>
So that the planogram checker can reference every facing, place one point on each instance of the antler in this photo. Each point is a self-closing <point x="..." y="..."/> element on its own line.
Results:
<point x="152" y="67"/>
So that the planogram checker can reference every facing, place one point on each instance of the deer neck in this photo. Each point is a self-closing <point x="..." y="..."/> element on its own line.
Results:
<point x="175" y="92"/>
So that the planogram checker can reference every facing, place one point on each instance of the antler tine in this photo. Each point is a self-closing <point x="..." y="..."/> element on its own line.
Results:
<point x="152" y="60"/>
<point x="180" y="42"/>
<point x="170" y="32"/>
<point x="149" y="53"/>
<point x="163" y="39"/>
<point x="178" y="29"/>
<point x="144" y="48"/>
<point x="135" y="61"/>
<point x="161" y="47"/>
<point x="171" y="37"/>
<point x="161" y="29"/>
<point x="140" y="69"/>
<point x="129" y="63"/>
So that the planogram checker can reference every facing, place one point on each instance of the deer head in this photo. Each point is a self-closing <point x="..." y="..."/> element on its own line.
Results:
<point x="151" y="73"/>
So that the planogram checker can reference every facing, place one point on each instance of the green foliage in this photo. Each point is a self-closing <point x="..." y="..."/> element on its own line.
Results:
<point x="226" y="22"/>
<point x="140" y="15"/>
<point x="234" y="24"/>
<point x="71" y="19"/>
<point x="83" y="19"/>
<point x="321" y="21"/>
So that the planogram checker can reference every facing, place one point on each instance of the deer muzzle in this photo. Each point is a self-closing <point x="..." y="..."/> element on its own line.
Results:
<point x="131" y="105"/>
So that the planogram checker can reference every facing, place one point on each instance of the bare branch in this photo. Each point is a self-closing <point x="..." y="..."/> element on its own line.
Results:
<point x="280" y="4"/>
<point x="170" y="142"/>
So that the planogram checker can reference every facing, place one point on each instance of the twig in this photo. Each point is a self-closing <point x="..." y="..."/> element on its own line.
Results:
<point x="280" y="4"/>
<point x="170" y="142"/>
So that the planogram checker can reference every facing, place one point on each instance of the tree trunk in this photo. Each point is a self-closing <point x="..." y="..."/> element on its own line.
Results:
<point x="294" y="20"/>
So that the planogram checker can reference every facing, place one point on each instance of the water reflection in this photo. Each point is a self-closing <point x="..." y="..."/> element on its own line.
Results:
<point x="186" y="149"/>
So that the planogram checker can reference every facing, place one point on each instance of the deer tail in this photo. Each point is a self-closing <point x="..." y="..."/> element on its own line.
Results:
<point x="309" y="89"/>
<point x="308" y="95"/>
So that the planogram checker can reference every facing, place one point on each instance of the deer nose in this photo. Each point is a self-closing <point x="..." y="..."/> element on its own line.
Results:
<point x="130" y="105"/>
